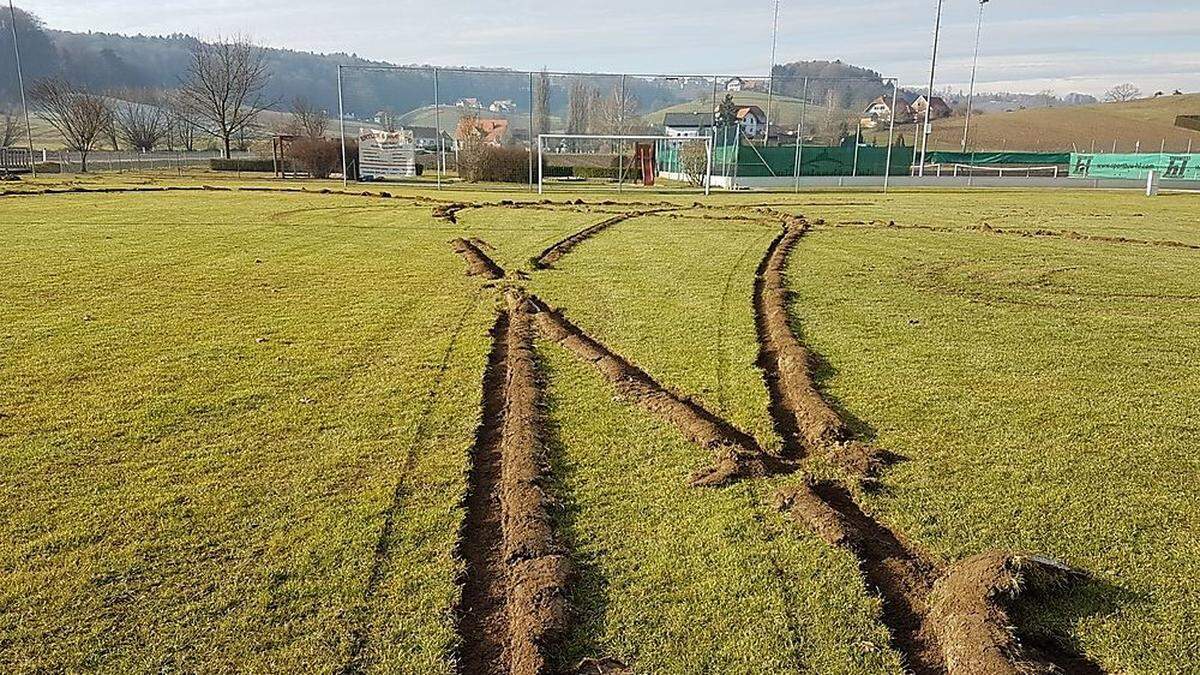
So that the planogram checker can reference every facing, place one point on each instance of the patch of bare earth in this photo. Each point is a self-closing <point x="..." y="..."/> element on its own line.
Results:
<point x="562" y="247"/>
<point x="514" y="605"/>
<point x="803" y="418"/>
<point x="478" y="263"/>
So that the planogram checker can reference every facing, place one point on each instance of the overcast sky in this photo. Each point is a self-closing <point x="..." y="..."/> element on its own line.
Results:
<point x="1028" y="45"/>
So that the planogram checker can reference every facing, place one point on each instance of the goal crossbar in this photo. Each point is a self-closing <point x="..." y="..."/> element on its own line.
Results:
<point x="706" y="139"/>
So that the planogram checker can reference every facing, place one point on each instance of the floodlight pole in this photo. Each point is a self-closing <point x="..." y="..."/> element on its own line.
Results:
<point x="21" y="84"/>
<point x="974" y="69"/>
<point x="771" y="73"/>
<point x="937" y="34"/>
<point x="342" y="127"/>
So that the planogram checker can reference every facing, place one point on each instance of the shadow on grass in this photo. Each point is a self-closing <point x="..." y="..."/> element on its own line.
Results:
<point x="1048" y="615"/>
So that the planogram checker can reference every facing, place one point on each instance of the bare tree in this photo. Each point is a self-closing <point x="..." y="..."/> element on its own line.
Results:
<point x="141" y="118"/>
<point x="83" y="118"/>
<point x="617" y="112"/>
<point x="222" y="94"/>
<point x="1122" y="92"/>
<point x="180" y="132"/>
<point x="471" y="147"/>
<point x="10" y="129"/>
<point x="541" y="104"/>
<point x="307" y="121"/>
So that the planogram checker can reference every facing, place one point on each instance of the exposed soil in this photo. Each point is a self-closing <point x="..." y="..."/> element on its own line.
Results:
<point x="901" y="576"/>
<point x="514" y="606"/>
<point x="449" y="211"/>
<point x="738" y="455"/>
<point x="804" y="420"/>
<point x="968" y="611"/>
<point x="478" y="262"/>
<point x="562" y="247"/>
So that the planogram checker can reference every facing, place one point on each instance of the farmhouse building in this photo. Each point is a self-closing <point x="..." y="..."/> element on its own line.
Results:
<point x="882" y="110"/>
<point x="937" y="110"/>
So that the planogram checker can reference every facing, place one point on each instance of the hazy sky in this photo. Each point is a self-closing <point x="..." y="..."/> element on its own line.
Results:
<point x="1028" y="45"/>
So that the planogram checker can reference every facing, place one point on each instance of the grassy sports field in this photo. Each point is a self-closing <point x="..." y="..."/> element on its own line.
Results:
<point x="237" y="428"/>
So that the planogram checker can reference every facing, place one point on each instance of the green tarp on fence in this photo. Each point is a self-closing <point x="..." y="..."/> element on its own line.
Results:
<point x="1000" y="158"/>
<point x="1168" y="166"/>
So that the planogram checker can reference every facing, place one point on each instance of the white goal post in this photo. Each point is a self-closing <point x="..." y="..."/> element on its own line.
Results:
<point x="999" y="171"/>
<point x="707" y="140"/>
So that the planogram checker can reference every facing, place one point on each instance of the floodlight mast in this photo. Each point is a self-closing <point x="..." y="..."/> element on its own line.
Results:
<point x="21" y="83"/>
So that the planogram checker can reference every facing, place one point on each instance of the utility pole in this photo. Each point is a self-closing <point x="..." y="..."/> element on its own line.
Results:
<point x="974" y="69"/>
<point x="12" y="12"/>
<point x="937" y="34"/>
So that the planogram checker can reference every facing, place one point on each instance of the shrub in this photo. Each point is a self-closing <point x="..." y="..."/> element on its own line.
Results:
<point x="318" y="157"/>
<point x="503" y="165"/>
<point x="249" y="164"/>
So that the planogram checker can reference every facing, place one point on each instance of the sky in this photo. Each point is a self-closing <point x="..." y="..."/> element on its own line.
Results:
<point x="1065" y="46"/>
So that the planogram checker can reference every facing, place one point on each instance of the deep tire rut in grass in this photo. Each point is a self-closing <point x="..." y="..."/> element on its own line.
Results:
<point x="803" y="418"/>
<point x="478" y="262"/>
<point x="560" y="248"/>
<point x="939" y="622"/>
<point x="514" y="604"/>
<point x="737" y="454"/>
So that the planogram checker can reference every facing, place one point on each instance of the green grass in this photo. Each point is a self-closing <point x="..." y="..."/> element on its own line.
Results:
<point x="1044" y="394"/>
<point x="212" y="402"/>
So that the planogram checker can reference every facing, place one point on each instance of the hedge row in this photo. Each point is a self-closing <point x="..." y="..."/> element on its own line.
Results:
<point x="249" y="165"/>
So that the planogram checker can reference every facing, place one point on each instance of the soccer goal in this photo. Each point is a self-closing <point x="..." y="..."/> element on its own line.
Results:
<point x="971" y="170"/>
<point x="623" y="160"/>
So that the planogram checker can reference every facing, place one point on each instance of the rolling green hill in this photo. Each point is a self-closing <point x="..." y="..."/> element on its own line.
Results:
<point x="1150" y="121"/>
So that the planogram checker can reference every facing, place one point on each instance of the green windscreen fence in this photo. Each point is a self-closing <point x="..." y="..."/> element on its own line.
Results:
<point x="749" y="161"/>
<point x="1166" y="165"/>
<point x="759" y="162"/>
<point x="1000" y="158"/>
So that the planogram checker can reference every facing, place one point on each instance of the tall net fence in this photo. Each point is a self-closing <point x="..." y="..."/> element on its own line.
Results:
<point x="483" y="129"/>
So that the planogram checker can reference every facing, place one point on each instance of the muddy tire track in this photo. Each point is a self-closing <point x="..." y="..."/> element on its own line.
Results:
<point x="560" y="248"/>
<point x="514" y="603"/>
<point x="478" y="262"/>
<point x="805" y="421"/>
<point x="737" y="454"/>
<point x="939" y="622"/>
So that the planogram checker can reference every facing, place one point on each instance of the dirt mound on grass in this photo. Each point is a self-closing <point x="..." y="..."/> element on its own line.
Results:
<point x="737" y="454"/>
<point x="478" y="262"/>
<point x="968" y="611"/>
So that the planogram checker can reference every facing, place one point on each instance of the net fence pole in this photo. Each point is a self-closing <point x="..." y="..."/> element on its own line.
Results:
<point x="342" y="127"/>
<point x="621" y="143"/>
<point x="796" y="161"/>
<point x="531" y="131"/>
<point x="709" y="162"/>
<point x="540" y="170"/>
<point x="437" y="123"/>
<point x="887" y="169"/>
<point x="12" y="12"/>
<point x="800" y="135"/>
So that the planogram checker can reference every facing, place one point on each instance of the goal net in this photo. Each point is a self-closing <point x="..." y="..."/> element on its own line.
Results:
<point x="613" y="161"/>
